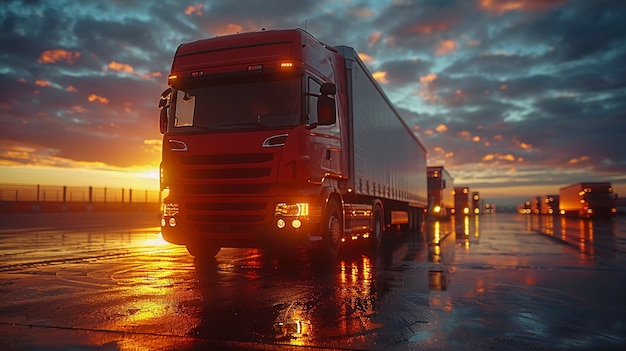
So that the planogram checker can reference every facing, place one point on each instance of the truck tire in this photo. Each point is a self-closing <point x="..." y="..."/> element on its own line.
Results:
<point x="331" y="231"/>
<point x="203" y="250"/>
<point x="377" y="228"/>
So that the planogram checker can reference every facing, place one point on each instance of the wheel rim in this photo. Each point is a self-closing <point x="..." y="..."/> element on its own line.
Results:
<point x="378" y="233"/>
<point x="333" y="230"/>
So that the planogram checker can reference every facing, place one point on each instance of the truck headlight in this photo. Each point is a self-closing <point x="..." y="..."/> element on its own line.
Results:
<point x="292" y="209"/>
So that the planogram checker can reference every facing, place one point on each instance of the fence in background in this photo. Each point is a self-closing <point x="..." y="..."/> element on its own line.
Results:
<point x="74" y="194"/>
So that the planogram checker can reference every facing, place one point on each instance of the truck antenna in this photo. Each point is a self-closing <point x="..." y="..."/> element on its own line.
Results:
<point x="306" y="22"/>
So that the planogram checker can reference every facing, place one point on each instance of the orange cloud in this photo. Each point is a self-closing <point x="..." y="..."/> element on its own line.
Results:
<point x="230" y="28"/>
<point x="121" y="67"/>
<point x="71" y="88"/>
<point x="97" y="98"/>
<point x="427" y="92"/>
<point x="502" y="6"/>
<point x="374" y="38"/>
<point x="445" y="47"/>
<point x="576" y="160"/>
<point x="365" y="57"/>
<point x="428" y="28"/>
<point x="152" y="145"/>
<point x="194" y="10"/>
<point x="126" y="68"/>
<point x="428" y="78"/>
<point x="380" y="77"/>
<point x="54" y="56"/>
<point x="465" y="135"/>
<point x="502" y="157"/>
<point x="442" y="128"/>
<point x="78" y="108"/>
<point x="42" y="83"/>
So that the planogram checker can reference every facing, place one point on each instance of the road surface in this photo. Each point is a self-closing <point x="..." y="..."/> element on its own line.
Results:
<point x="497" y="282"/>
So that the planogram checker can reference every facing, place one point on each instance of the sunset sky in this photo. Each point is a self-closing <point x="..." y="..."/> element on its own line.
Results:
<point x="515" y="98"/>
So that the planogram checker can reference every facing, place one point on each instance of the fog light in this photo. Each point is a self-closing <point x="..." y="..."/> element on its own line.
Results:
<point x="172" y="222"/>
<point x="280" y="223"/>
<point x="163" y="222"/>
<point x="296" y="223"/>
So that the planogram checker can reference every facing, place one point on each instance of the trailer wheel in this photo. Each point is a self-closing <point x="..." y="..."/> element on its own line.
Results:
<point x="331" y="234"/>
<point x="377" y="228"/>
<point x="203" y="250"/>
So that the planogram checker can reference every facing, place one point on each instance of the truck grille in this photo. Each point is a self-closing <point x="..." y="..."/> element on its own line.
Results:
<point x="223" y="189"/>
<point x="226" y="159"/>
<point x="227" y="193"/>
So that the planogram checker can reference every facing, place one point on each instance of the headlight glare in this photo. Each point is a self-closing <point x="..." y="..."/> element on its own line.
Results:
<point x="292" y="209"/>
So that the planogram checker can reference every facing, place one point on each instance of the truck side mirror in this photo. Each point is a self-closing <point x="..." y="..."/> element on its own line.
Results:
<point x="164" y="104"/>
<point x="326" y="110"/>
<point x="328" y="89"/>
<point x="163" y="120"/>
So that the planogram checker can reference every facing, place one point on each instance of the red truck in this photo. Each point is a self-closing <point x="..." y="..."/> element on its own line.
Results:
<point x="587" y="200"/>
<point x="273" y="139"/>
<point x="440" y="192"/>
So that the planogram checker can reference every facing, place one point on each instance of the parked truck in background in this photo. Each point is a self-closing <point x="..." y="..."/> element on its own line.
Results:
<point x="550" y="204"/>
<point x="440" y="192"/>
<point x="461" y="200"/>
<point x="273" y="139"/>
<point x="536" y="205"/>
<point x="476" y="207"/>
<point x="587" y="200"/>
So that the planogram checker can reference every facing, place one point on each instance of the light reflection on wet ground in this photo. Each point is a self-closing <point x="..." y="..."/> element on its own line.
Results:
<point x="468" y="283"/>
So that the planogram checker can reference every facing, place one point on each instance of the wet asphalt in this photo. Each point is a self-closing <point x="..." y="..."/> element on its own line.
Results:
<point x="495" y="282"/>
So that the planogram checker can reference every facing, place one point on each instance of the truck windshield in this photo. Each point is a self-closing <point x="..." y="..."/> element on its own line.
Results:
<point x="249" y="105"/>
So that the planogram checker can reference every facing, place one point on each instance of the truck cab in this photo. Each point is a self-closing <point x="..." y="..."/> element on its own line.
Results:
<point x="251" y="142"/>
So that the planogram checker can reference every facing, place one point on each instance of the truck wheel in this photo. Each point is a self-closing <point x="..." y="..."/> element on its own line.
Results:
<point x="377" y="228"/>
<point x="203" y="250"/>
<point x="331" y="234"/>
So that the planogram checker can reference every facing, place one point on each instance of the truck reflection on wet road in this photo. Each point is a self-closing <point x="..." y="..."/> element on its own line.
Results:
<point x="494" y="281"/>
